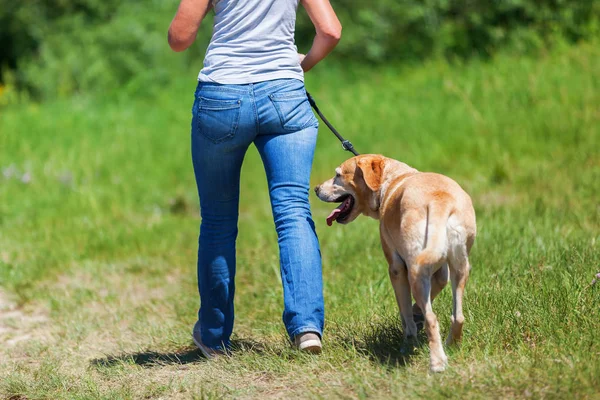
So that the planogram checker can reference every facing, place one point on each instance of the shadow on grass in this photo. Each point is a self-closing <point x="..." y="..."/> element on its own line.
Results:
<point x="382" y="343"/>
<point x="148" y="359"/>
<point x="386" y="345"/>
<point x="151" y="358"/>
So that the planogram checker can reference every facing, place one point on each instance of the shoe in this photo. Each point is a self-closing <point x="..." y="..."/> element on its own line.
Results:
<point x="209" y="353"/>
<point x="308" y="342"/>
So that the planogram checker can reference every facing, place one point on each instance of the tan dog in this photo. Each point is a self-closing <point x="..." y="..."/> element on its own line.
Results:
<point x="427" y="224"/>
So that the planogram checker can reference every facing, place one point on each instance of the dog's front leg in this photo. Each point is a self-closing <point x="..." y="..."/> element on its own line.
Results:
<point x="399" y="278"/>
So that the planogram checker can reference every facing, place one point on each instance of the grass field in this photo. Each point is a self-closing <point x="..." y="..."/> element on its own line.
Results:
<point x="99" y="222"/>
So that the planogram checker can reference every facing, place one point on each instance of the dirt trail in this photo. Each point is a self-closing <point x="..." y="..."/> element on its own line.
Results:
<point x="17" y="326"/>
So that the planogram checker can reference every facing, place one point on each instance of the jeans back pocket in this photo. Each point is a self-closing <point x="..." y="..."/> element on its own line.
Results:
<point x="218" y="119"/>
<point x="294" y="109"/>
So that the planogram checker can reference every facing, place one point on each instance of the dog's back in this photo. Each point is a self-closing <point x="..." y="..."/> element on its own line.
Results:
<point x="433" y="211"/>
<point x="449" y="213"/>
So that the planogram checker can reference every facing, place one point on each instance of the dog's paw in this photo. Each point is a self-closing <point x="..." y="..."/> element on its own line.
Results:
<point x="410" y="338"/>
<point x="410" y="330"/>
<point x="453" y="340"/>
<point x="437" y="368"/>
<point x="438" y="365"/>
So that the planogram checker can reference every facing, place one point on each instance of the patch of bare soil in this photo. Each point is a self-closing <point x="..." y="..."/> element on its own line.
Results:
<point x="17" y="325"/>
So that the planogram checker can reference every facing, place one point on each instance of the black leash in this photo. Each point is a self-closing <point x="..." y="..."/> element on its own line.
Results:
<point x="346" y="145"/>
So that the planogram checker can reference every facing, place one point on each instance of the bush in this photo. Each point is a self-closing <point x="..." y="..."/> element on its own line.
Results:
<point x="60" y="47"/>
<point x="91" y="45"/>
<point x="386" y="30"/>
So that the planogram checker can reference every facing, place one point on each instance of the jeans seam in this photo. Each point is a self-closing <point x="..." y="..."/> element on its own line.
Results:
<point x="222" y="89"/>
<point x="256" y="118"/>
<point x="271" y="88"/>
<point x="204" y="86"/>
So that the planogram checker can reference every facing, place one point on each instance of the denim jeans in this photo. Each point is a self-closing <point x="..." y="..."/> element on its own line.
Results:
<point x="277" y="118"/>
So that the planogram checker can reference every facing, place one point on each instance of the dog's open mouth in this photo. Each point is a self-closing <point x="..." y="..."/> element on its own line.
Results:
<point x="340" y="213"/>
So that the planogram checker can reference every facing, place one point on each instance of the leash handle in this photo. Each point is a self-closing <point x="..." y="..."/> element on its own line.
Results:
<point x="346" y="145"/>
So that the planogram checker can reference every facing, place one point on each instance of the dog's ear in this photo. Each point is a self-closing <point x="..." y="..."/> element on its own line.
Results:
<point x="371" y="169"/>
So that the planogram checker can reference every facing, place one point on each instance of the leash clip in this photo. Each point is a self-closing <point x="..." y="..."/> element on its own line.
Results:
<point x="346" y="145"/>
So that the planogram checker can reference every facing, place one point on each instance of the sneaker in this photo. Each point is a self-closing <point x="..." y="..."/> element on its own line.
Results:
<point x="209" y="353"/>
<point x="309" y="342"/>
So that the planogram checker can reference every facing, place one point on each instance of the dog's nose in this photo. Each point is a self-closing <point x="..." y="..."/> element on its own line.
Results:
<point x="317" y="188"/>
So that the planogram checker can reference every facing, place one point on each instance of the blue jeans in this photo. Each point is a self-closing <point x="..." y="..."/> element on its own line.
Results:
<point x="277" y="118"/>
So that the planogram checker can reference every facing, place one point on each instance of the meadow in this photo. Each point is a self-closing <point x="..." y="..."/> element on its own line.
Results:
<point x="99" y="222"/>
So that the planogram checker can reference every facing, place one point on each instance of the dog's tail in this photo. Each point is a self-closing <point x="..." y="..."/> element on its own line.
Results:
<point x="436" y="247"/>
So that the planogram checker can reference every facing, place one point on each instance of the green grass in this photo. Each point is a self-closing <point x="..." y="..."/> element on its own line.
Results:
<point x="99" y="218"/>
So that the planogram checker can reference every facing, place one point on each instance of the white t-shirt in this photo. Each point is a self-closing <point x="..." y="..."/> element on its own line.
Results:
<point x="252" y="41"/>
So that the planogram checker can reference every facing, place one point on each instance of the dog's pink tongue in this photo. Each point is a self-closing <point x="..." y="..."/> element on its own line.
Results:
<point x="333" y="216"/>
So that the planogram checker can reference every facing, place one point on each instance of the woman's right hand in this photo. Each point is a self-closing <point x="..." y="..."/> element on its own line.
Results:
<point x="329" y="31"/>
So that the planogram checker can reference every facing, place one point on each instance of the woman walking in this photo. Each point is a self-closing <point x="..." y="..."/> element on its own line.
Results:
<point x="251" y="90"/>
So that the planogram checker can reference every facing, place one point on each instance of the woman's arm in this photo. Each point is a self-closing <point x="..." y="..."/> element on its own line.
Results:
<point x="329" y="31"/>
<point x="186" y="22"/>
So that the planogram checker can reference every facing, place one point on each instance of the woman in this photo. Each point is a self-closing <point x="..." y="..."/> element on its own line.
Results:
<point x="251" y="90"/>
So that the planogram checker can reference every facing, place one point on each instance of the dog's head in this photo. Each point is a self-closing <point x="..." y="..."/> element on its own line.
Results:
<point x="356" y="186"/>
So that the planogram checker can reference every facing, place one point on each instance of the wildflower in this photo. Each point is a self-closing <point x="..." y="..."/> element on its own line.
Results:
<point x="26" y="178"/>
<point x="9" y="171"/>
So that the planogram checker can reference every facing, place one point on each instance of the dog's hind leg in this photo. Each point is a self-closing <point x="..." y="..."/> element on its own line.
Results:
<point x="439" y="280"/>
<point x="459" y="274"/>
<point x="399" y="278"/>
<point x="460" y="241"/>
<point x="420" y="283"/>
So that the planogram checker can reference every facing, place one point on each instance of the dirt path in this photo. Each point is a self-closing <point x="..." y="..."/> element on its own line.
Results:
<point x="16" y="325"/>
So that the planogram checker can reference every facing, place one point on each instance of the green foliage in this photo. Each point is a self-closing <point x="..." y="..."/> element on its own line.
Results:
<point x="24" y="25"/>
<point x="63" y="47"/>
<point x="91" y="45"/>
<point x="414" y="29"/>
